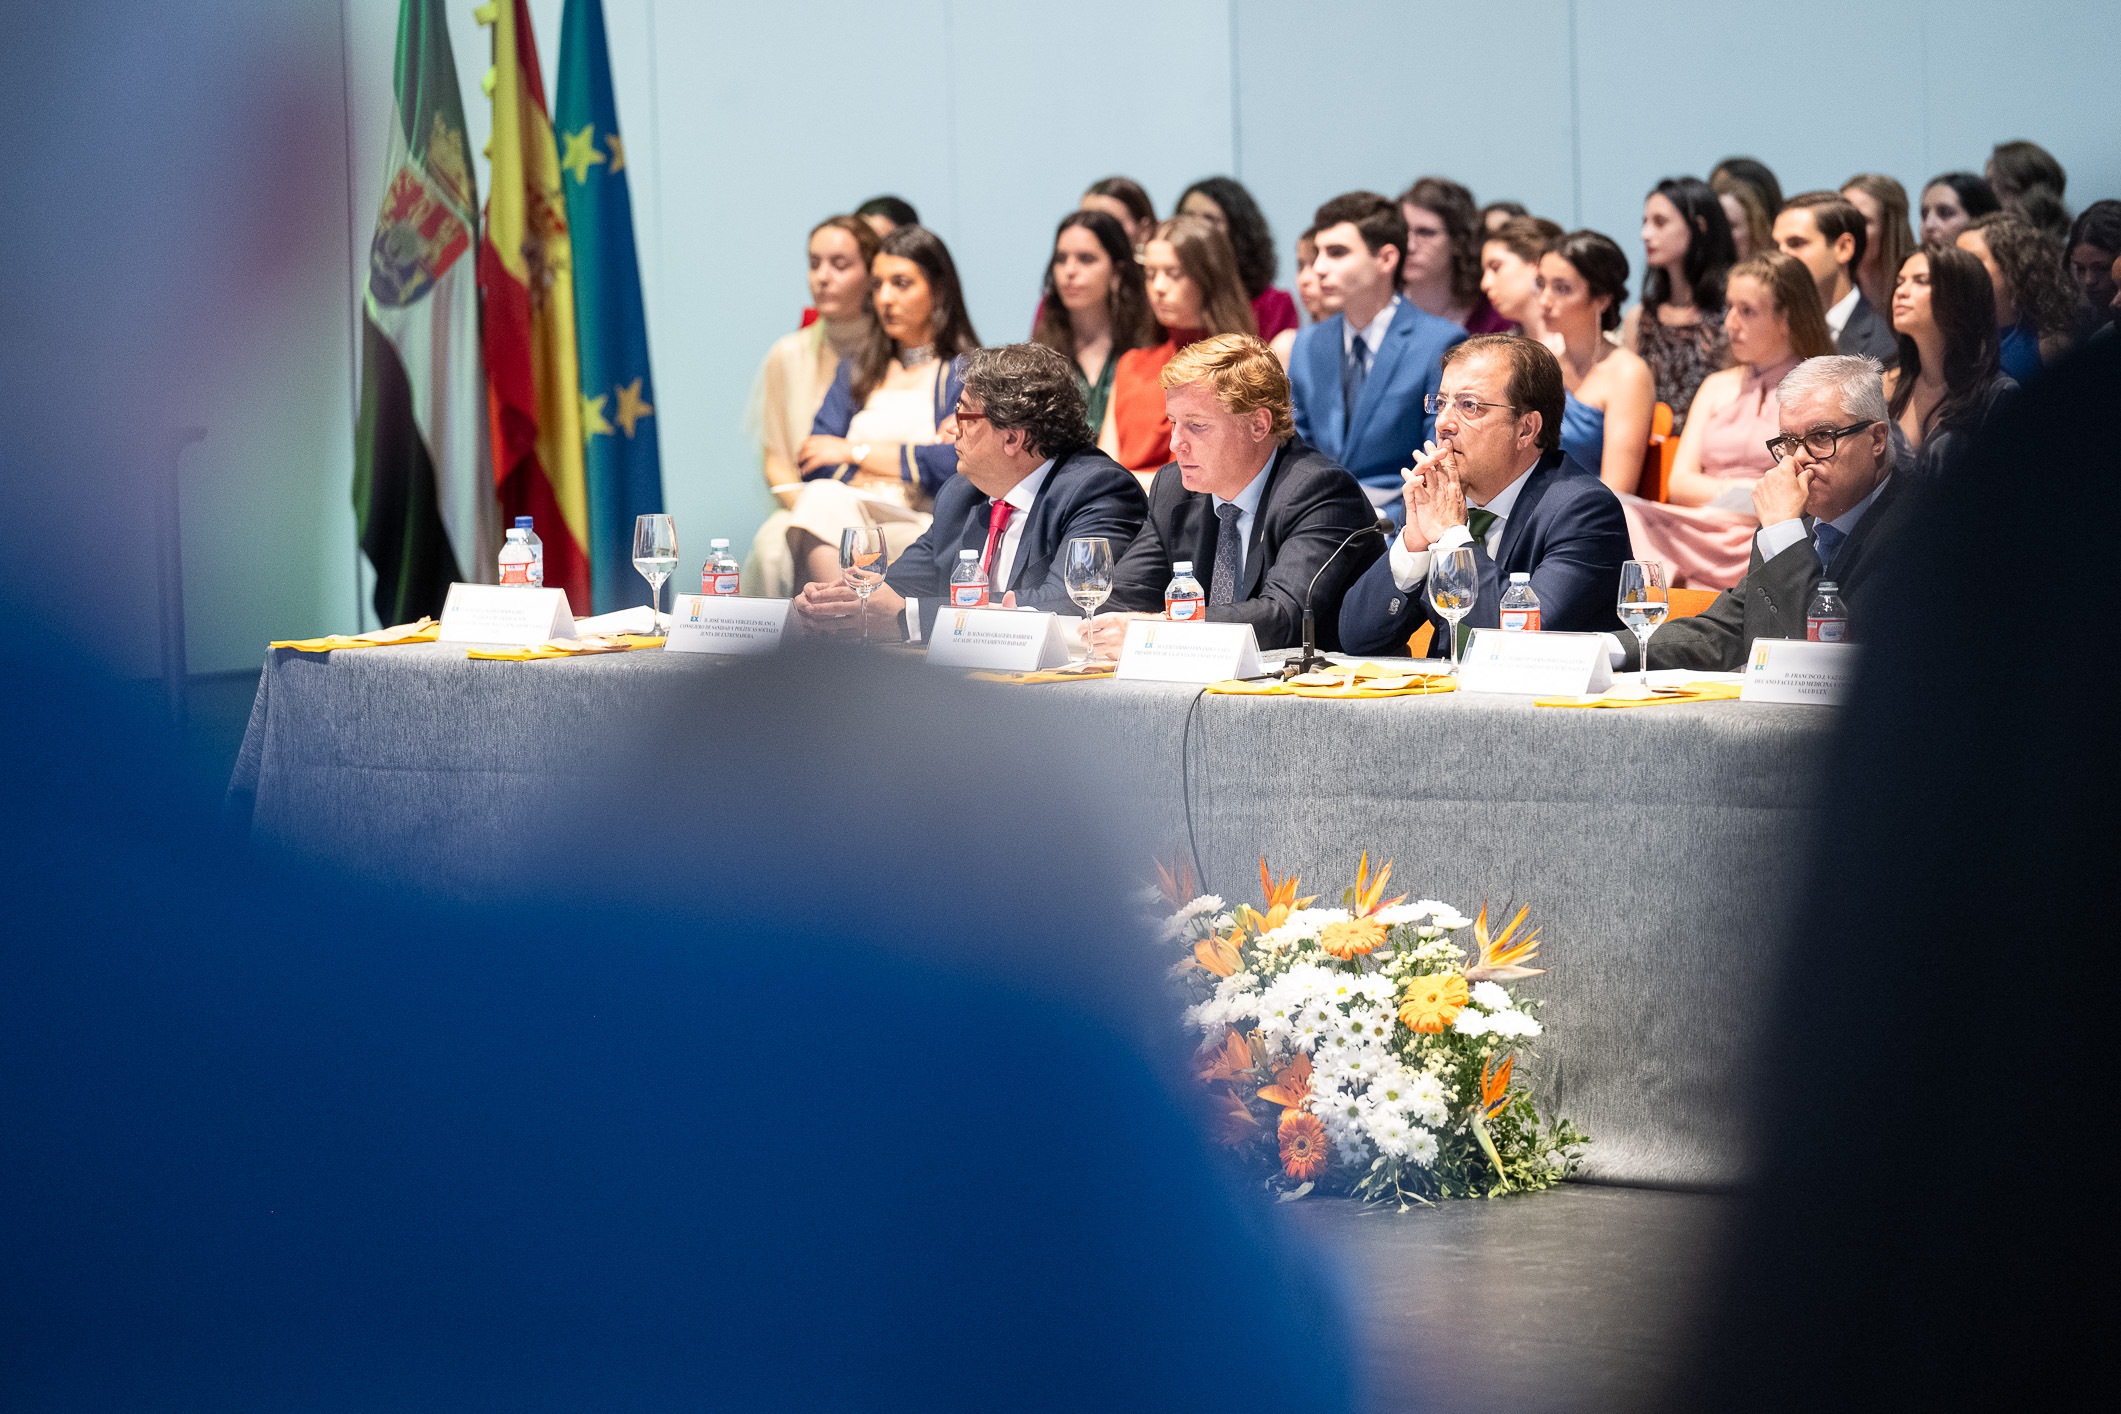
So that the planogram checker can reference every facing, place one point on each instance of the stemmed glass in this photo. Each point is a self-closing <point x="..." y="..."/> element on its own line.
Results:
<point x="1644" y="601"/>
<point x="1454" y="585"/>
<point x="655" y="555"/>
<point x="862" y="565"/>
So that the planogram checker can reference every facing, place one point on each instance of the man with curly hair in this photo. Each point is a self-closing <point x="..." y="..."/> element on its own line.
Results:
<point x="1029" y="479"/>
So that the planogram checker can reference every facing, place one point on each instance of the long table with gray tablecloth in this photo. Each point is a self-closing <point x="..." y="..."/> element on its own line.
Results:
<point x="1662" y="849"/>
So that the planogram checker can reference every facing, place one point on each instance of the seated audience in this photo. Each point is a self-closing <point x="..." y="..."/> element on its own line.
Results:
<point x="1752" y="230"/>
<point x="1755" y="174"/>
<point x="1949" y="202"/>
<point x="1509" y="272"/>
<point x="1701" y="533"/>
<point x="1307" y="293"/>
<point x="1194" y="292"/>
<point x="1096" y="305"/>
<point x="1609" y="394"/>
<point x="874" y="455"/>
<point x="1887" y="239"/>
<point x="2029" y="182"/>
<point x="1495" y="213"/>
<point x="1828" y="235"/>
<point x="1829" y="507"/>
<point x="1358" y="379"/>
<point x="2094" y="245"/>
<point x="1228" y="207"/>
<point x="1259" y="514"/>
<point x="1678" y="328"/>
<point x="2034" y="300"/>
<point x="1442" y="275"/>
<point x="1497" y="480"/>
<point x="886" y="214"/>
<point x="1123" y="199"/>
<point x="792" y="382"/>
<point x="1028" y="481"/>
<point x="1950" y="374"/>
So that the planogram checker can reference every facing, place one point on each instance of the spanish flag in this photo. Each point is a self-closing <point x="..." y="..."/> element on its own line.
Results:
<point x="526" y="279"/>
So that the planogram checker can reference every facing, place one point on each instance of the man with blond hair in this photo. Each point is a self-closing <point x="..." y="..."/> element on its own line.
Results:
<point x="1259" y="514"/>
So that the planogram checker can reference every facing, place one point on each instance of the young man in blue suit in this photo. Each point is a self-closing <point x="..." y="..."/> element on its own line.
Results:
<point x="1360" y="378"/>
<point x="1497" y="480"/>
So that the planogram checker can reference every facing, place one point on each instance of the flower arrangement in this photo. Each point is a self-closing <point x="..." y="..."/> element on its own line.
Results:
<point x="1362" y="1049"/>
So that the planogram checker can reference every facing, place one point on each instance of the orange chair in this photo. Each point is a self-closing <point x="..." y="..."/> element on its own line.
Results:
<point x="1688" y="602"/>
<point x="1419" y="640"/>
<point x="1657" y="460"/>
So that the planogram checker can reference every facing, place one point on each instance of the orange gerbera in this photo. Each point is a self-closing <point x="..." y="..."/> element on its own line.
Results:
<point x="1499" y="961"/>
<point x="1303" y="1146"/>
<point x="1432" y="1003"/>
<point x="1291" y="1087"/>
<point x="1353" y="937"/>
<point x="1220" y="955"/>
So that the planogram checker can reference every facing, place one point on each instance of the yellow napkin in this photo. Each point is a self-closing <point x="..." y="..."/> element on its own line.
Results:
<point x="569" y="648"/>
<point x="425" y="631"/>
<point x="1080" y="672"/>
<point x="1363" y="681"/>
<point x="1693" y="692"/>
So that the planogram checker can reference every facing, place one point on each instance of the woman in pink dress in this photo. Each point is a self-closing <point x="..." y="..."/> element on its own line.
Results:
<point x="1703" y="532"/>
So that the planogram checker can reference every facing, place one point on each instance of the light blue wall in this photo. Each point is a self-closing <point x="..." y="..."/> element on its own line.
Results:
<point x="746" y="123"/>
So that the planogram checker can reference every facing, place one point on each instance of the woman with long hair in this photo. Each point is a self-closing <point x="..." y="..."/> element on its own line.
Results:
<point x="2089" y="253"/>
<point x="1888" y="239"/>
<point x="1607" y="392"/>
<point x="1096" y="304"/>
<point x="1678" y="328"/>
<point x="1194" y="291"/>
<point x="1949" y="376"/>
<point x="2033" y="295"/>
<point x="2029" y="182"/>
<point x="1774" y="321"/>
<point x="875" y="455"/>
<point x="1441" y="272"/>
<point x="1950" y="202"/>
<point x="1509" y="273"/>
<point x="1226" y="205"/>
<point x="1123" y="199"/>
<point x="1752" y="231"/>
<point x="792" y="381"/>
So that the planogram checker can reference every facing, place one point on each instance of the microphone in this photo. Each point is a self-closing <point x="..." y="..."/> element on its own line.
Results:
<point x="1311" y="662"/>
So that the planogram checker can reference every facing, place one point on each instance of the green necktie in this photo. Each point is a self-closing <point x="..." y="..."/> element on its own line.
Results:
<point x="1478" y="521"/>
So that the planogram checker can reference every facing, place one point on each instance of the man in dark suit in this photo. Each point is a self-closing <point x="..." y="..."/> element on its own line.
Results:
<point x="1029" y="480"/>
<point x="1260" y="515"/>
<point x="1830" y="508"/>
<point x="1827" y="233"/>
<point x="1360" y="379"/>
<point x="1499" y="482"/>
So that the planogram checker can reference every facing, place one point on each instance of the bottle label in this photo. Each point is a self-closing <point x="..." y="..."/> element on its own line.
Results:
<point x="726" y="584"/>
<point x="1521" y="620"/>
<point x="515" y="572"/>
<point x="1183" y="608"/>
<point x="968" y="596"/>
<point x="1827" y="630"/>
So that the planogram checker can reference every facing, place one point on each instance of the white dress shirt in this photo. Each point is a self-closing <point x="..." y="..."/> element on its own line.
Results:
<point x="1021" y="495"/>
<point x="1372" y="334"/>
<point x="1410" y="567"/>
<point x="1247" y="503"/>
<point x="1837" y="318"/>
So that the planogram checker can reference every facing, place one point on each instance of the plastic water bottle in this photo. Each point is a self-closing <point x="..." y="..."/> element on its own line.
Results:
<point x="721" y="574"/>
<point x="1827" y="621"/>
<point x="968" y="582"/>
<point x="1184" y="598"/>
<point x="1520" y="606"/>
<point x="523" y="556"/>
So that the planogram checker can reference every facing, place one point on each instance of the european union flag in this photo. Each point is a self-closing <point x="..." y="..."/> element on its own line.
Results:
<point x="623" y="466"/>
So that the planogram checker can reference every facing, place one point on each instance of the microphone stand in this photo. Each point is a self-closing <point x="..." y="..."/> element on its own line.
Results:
<point x="1311" y="661"/>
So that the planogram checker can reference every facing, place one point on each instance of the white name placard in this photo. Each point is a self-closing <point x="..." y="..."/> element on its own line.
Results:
<point x="1166" y="650"/>
<point x="725" y="623"/>
<point x="1007" y="640"/>
<point x="505" y="613"/>
<point x="1798" y="670"/>
<point x="1543" y="664"/>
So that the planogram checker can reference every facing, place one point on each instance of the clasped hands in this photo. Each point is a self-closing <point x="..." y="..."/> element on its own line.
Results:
<point x="831" y="609"/>
<point x="1436" y="499"/>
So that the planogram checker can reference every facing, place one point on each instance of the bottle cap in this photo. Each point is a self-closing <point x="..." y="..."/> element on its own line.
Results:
<point x="1520" y="578"/>
<point x="522" y="522"/>
<point x="968" y="554"/>
<point x="718" y="544"/>
<point x="1827" y="586"/>
<point x="1182" y="567"/>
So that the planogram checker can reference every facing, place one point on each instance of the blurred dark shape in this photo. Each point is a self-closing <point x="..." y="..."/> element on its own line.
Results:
<point x="1922" y="1230"/>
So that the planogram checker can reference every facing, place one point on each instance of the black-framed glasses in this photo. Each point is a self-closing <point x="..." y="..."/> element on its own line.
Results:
<point x="1821" y="442"/>
<point x="1465" y="405"/>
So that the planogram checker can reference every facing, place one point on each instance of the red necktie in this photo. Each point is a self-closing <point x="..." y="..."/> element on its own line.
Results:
<point x="997" y="524"/>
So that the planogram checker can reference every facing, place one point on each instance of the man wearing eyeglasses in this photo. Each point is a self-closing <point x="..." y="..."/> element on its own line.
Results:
<point x="1829" y="509"/>
<point x="1496" y="480"/>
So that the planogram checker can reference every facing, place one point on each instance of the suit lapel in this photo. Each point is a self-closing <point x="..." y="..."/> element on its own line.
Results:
<point x="1032" y="545"/>
<point x="1327" y="362"/>
<point x="1255" y="556"/>
<point x="1536" y="482"/>
<point x="1377" y="388"/>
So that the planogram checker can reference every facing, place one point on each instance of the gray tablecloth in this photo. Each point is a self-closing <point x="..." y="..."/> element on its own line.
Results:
<point x="1660" y="848"/>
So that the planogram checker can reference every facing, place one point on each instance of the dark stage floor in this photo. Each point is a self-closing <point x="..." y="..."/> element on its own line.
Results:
<point x="1573" y="1299"/>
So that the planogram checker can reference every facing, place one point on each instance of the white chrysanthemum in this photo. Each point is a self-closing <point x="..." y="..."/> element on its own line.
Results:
<point x="1183" y="920"/>
<point x="1512" y="1023"/>
<point x="1369" y="1026"/>
<point x="1303" y="925"/>
<point x="1382" y="991"/>
<point x="1421" y="1147"/>
<point x="1491" y="996"/>
<point x="1240" y="982"/>
<point x="1471" y="1022"/>
<point x="1355" y="1065"/>
<point x="1400" y="913"/>
<point x="1442" y="915"/>
<point x="1437" y="948"/>
<point x="1390" y="1131"/>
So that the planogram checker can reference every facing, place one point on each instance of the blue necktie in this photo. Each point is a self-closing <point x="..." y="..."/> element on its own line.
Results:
<point x="1353" y="370"/>
<point x="1827" y="541"/>
<point x="1229" y="555"/>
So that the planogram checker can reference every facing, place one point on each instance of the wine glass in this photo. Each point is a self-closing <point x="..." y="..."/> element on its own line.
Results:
<point x="1089" y="572"/>
<point x="862" y="565"/>
<point x="1644" y="601"/>
<point x="1454" y="586"/>
<point x="655" y="555"/>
